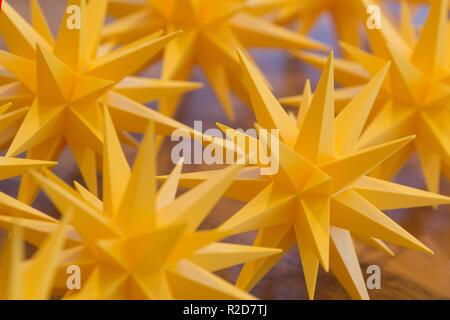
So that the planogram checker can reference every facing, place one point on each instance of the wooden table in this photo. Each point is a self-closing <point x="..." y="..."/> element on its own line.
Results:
<point x="409" y="275"/>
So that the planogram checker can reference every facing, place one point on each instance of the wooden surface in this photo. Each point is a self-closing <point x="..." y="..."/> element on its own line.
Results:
<point x="409" y="275"/>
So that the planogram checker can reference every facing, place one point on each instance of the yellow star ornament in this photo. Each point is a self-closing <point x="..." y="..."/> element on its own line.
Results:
<point x="415" y="97"/>
<point x="143" y="244"/>
<point x="67" y="82"/>
<point x="212" y="31"/>
<point x="321" y="196"/>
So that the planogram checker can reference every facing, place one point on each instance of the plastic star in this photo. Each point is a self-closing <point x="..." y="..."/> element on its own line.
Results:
<point x="321" y="196"/>
<point x="212" y="31"/>
<point x="415" y="97"/>
<point x="30" y="279"/>
<point x="143" y="244"/>
<point x="68" y="80"/>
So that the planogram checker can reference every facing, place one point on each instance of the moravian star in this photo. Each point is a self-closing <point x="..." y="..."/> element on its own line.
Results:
<point x="67" y="81"/>
<point x="140" y="243"/>
<point x="322" y="195"/>
<point x="212" y="31"/>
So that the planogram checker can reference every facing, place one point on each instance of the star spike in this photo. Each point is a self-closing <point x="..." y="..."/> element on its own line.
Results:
<point x="140" y="194"/>
<point x="128" y="59"/>
<point x="319" y="121"/>
<point x="70" y="45"/>
<point x="20" y="67"/>
<point x="357" y="113"/>
<point x="305" y="104"/>
<point x="12" y="167"/>
<point x="19" y="36"/>
<point x="345" y="265"/>
<point x="354" y="211"/>
<point x="429" y="51"/>
<point x="280" y="237"/>
<point x="115" y="168"/>
<point x="40" y="23"/>
<point x="312" y="226"/>
<point x="361" y="162"/>
<point x="54" y="77"/>
<point x="270" y="116"/>
<point x="200" y="204"/>
<point x="212" y="256"/>
<point x="389" y="196"/>
<point x="167" y="192"/>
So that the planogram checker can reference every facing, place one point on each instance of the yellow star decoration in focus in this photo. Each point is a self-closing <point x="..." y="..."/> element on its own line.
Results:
<point x="322" y="196"/>
<point x="212" y="31"/>
<point x="68" y="80"/>
<point x="415" y="98"/>
<point x="143" y="244"/>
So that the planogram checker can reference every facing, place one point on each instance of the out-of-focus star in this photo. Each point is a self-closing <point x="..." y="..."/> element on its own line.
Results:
<point x="346" y="15"/>
<point x="415" y="98"/>
<point x="212" y="31"/>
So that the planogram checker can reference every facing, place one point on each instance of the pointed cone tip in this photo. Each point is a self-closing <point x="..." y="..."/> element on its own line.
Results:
<point x="223" y="127"/>
<point x="6" y="105"/>
<point x="287" y="100"/>
<point x="242" y="57"/>
<point x="385" y="69"/>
